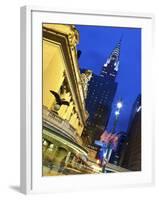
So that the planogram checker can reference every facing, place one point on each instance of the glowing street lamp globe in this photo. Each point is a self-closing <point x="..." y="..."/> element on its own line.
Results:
<point x="119" y="105"/>
<point x="117" y="113"/>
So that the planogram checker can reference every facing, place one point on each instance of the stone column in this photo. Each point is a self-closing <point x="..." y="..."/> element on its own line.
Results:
<point x="67" y="158"/>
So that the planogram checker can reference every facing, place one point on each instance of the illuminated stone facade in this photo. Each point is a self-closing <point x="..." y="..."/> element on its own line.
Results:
<point x="64" y="93"/>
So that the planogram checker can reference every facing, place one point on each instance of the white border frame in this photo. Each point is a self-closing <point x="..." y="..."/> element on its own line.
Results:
<point x="31" y="174"/>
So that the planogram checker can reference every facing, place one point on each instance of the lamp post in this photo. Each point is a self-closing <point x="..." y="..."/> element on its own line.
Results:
<point x="119" y="105"/>
<point x="108" y="153"/>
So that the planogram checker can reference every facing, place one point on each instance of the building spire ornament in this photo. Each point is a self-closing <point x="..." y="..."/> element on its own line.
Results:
<point x="111" y="66"/>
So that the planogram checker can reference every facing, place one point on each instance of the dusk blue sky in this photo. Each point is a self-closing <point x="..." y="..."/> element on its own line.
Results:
<point x="96" y="44"/>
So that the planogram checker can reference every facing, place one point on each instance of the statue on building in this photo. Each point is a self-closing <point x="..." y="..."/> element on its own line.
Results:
<point x="59" y="101"/>
<point x="85" y="78"/>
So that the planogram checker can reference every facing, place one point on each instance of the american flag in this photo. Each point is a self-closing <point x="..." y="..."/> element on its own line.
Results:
<point x="110" y="138"/>
<point x="105" y="137"/>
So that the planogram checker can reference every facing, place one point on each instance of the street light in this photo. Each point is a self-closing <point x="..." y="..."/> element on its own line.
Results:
<point x="107" y="154"/>
<point x="119" y="105"/>
<point x="117" y="112"/>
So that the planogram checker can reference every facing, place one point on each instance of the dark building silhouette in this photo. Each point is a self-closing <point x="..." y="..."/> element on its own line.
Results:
<point x="132" y="159"/>
<point x="101" y="92"/>
<point x="136" y="107"/>
<point x="119" y="154"/>
<point x="100" y="96"/>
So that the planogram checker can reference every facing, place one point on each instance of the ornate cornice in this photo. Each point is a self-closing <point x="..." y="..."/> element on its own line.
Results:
<point x="67" y="42"/>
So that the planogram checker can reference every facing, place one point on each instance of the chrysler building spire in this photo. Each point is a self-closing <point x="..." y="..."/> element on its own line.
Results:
<point x="111" y="66"/>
